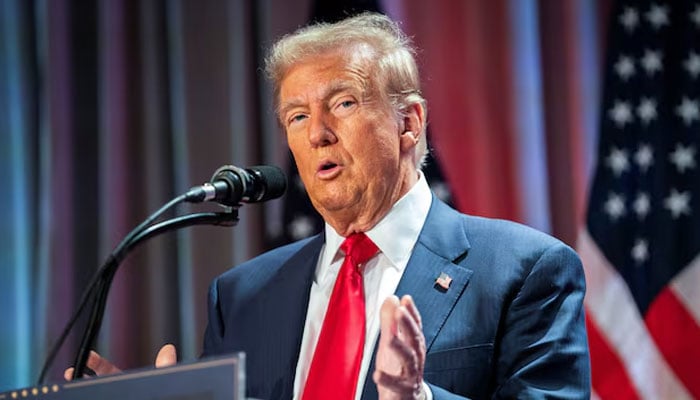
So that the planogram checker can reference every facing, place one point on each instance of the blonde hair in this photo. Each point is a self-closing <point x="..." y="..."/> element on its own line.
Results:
<point x="393" y="57"/>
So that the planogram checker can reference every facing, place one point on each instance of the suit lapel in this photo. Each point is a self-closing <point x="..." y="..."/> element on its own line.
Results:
<point x="433" y="302"/>
<point x="287" y="309"/>
<point x="441" y="245"/>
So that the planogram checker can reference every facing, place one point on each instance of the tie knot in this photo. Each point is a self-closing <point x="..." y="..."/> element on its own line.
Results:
<point x="359" y="248"/>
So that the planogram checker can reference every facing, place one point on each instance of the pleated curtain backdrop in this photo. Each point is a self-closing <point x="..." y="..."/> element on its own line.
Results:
<point x="110" y="108"/>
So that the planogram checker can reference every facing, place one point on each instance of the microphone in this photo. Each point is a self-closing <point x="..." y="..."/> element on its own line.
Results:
<point x="231" y="185"/>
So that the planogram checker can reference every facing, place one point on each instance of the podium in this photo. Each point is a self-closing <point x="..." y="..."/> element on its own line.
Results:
<point x="221" y="378"/>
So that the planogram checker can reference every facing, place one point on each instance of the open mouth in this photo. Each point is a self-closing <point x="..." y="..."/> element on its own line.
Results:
<point x="328" y="170"/>
<point x="327" y="166"/>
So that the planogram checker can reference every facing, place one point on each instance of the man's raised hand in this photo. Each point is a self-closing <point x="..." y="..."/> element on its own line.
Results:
<point x="401" y="351"/>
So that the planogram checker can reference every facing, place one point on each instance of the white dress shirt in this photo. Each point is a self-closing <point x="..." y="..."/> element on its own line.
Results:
<point x="395" y="236"/>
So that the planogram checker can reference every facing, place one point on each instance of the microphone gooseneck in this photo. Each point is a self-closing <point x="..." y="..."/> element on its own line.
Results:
<point x="230" y="185"/>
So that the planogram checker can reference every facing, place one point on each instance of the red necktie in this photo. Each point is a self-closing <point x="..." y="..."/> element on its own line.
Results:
<point x="338" y="355"/>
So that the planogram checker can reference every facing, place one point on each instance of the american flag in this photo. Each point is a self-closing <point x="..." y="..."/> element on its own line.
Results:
<point x="641" y="244"/>
<point x="443" y="281"/>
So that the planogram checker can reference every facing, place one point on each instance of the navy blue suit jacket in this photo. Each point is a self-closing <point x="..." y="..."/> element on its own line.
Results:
<point x="510" y="325"/>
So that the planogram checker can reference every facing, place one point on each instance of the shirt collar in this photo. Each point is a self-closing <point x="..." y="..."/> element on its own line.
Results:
<point x="395" y="235"/>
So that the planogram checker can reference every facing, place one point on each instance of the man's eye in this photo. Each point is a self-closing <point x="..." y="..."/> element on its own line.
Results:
<point x="345" y="106"/>
<point x="297" y="118"/>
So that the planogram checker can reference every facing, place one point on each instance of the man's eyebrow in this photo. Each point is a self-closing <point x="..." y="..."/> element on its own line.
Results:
<point x="288" y="105"/>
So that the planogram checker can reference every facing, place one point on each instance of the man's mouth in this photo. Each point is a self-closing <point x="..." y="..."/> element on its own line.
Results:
<point x="328" y="165"/>
<point x="328" y="170"/>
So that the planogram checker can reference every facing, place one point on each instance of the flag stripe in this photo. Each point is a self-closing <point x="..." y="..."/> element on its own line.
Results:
<point x="610" y="305"/>
<point x="677" y="336"/>
<point x="608" y="374"/>
<point x="687" y="287"/>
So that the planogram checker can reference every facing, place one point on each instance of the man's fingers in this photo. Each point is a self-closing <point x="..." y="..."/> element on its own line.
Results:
<point x="401" y="350"/>
<point x="96" y="365"/>
<point x="412" y="335"/>
<point x="167" y="356"/>
<point x="388" y="330"/>
<point x="408" y="347"/>
<point x="408" y="358"/>
<point x="407" y="301"/>
<point x="413" y="328"/>
<point x="100" y="365"/>
<point x="396" y="384"/>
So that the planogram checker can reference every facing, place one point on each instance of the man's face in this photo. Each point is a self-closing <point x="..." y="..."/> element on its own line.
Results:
<point x="346" y="140"/>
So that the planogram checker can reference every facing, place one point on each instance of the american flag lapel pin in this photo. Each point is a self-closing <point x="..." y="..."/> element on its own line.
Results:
<point x="443" y="281"/>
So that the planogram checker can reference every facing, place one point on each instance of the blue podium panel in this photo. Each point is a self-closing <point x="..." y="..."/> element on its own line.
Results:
<point x="213" y="379"/>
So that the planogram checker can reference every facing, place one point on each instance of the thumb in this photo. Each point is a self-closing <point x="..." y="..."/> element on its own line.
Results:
<point x="167" y="356"/>
<point x="386" y="363"/>
<point x="387" y="326"/>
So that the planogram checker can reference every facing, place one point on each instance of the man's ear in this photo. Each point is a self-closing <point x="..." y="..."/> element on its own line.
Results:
<point x="412" y="125"/>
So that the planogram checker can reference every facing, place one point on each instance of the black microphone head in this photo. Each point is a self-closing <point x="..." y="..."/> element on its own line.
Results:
<point x="272" y="178"/>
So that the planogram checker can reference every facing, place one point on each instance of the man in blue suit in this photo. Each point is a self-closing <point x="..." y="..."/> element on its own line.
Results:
<point x="482" y="308"/>
<point x="455" y="306"/>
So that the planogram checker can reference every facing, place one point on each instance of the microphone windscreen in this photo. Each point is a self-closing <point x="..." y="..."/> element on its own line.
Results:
<point x="274" y="180"/>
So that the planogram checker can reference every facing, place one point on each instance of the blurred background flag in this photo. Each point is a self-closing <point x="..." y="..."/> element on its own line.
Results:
<point x="641" y="243"/>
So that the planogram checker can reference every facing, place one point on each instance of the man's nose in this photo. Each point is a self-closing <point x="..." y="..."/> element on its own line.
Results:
<point x="320" y="132"/>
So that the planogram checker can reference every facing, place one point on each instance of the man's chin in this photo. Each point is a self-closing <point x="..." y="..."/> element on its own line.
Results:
<point x="335" y="205"/>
